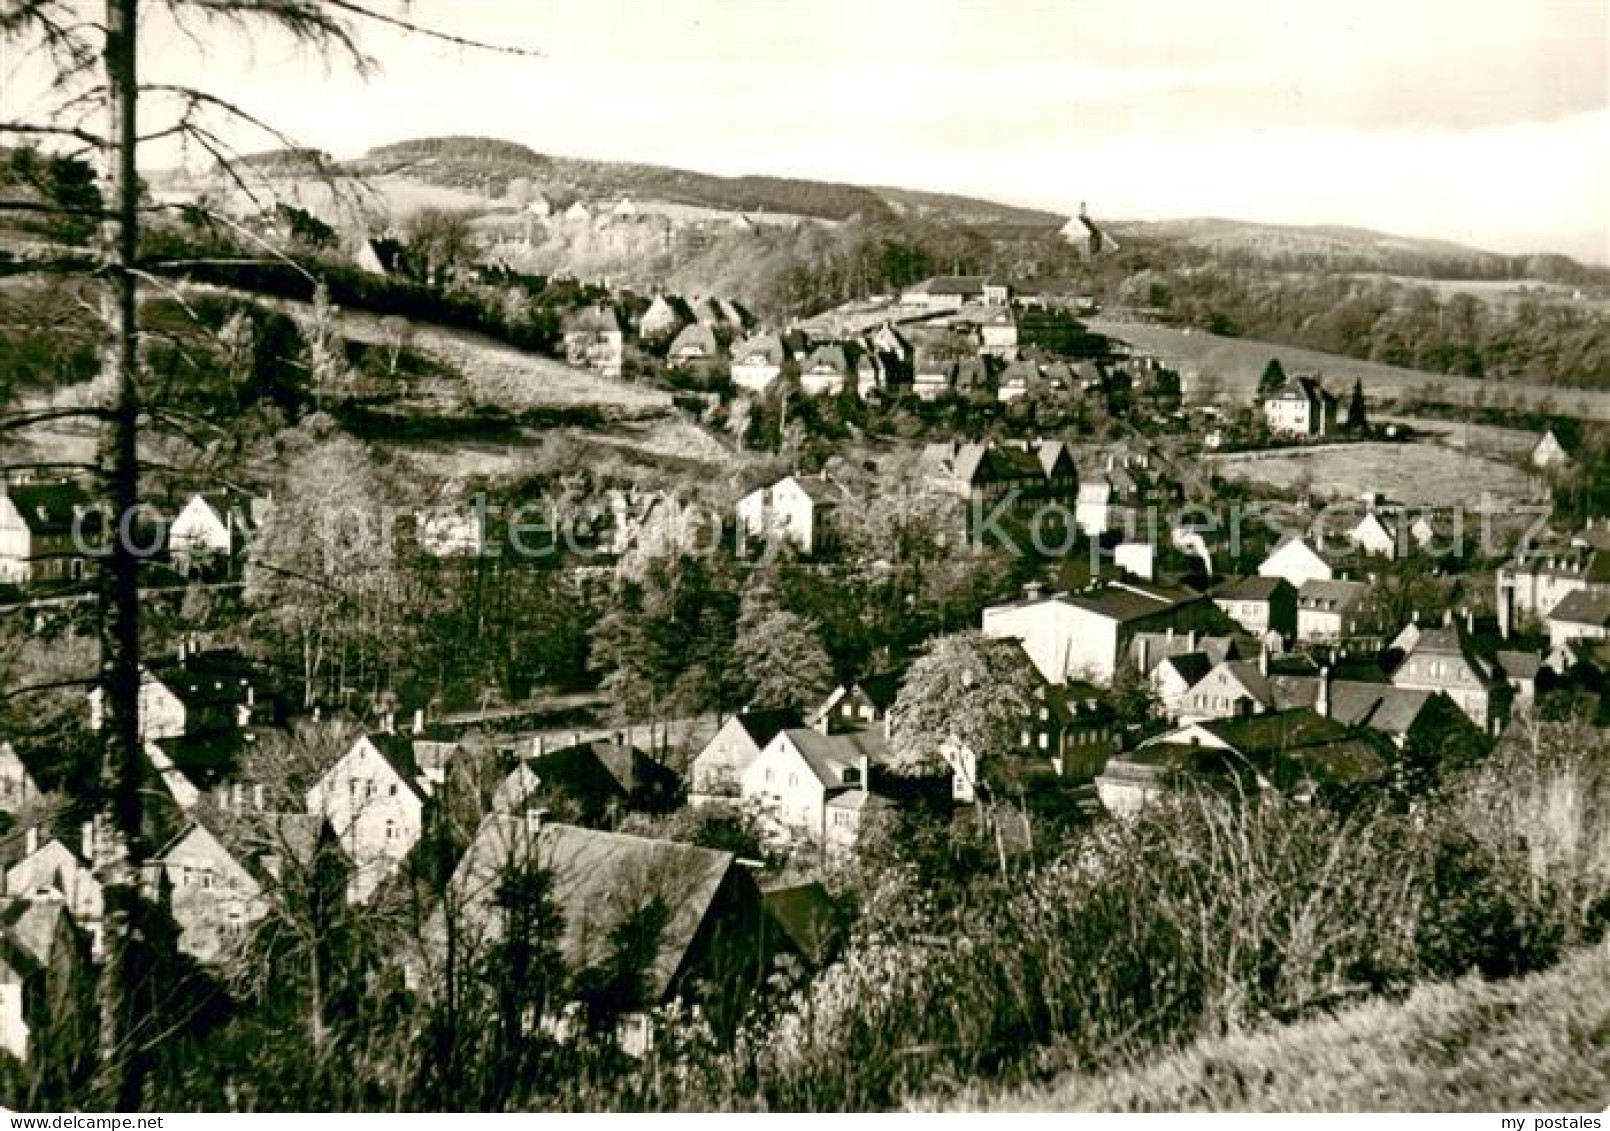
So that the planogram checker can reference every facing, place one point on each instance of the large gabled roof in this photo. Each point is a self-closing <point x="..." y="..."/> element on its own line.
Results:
<point x="1583" y="607"/>
<point x="50" y="508"/>
<point x="599" y="880"/>
<point x="829" y="755"/>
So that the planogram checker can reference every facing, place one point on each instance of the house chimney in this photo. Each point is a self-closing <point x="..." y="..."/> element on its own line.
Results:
<point x="251" y="695"/>
<point x="1322" y="700"/>
<point x="1145" y="654"/>
<point x="419" y="720"/>
<point x="1447" y="618"/>
<point x="86" y="841"/>
<point x="866" y="771"/>
<point x="1263" y="661"/>
<point x="257" y="797"/>
<point x="183" y="648"/>
<point x="1470" y="622"/>
<point x="534" y="817"/>
<point x="1190" y="640"/>
<point x="1505" y="596"/>
<point x="388" y="721"/>
<point x="31" y="840"/>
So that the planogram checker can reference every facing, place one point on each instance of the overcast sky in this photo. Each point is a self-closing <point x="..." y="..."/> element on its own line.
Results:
<point x="1484" y="121"/>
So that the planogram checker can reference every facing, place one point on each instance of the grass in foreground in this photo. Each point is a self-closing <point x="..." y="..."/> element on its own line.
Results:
<point x="1535" y="1043"/>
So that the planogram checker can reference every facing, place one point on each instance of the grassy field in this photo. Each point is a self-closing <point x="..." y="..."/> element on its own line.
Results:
<point x="1540" y="1043"/>
<point x="1236" y="363"/>
<point x="1429" y="474"/>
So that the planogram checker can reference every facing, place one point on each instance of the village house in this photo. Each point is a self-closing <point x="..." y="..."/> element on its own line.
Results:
<point x="1023" y="478"/>
<point x="944" y="292"/>
<point x="1300" y="409"/>
<point x="1260" y="605"/>
<point x="997" y="333"/>
<point x="597" y="781"/>
<point x="1296" y="561"/>
<point x="18" y="790"/>
<point x="1443" y="659"/>
<point x="713" y="945"/>
<point x="1149" y="649"/>
<point x="1296" y="753"/>
<point x="1017" y="380"/>
<point x="828" y="369"/>
<point x="757" y="362"/>
<point x="1373" y="537"/>
<point x="1540" y="577"/>
<point x="219" y="871"/>
<point x="799" y="509"/>
<point x="1329" y="611"/>
<point x="212" y="526"/>
<point x="1581" y="615"/>
<point x="814" y="788"/>
<point x="43" y="959"/>
<point x="716" y="773"/>
<point x="46" y="532"/>
<point x="1249" y="687"/>
<point x="695" y="346"/>
<point x="1174" y="676"/>
<point x="593" y="339"/>
<point x="1074" y="729"/>
<point x="197" y="692"/>
<point x="49" y="870"/>
<point x="663" y="320"/>
<point x="1113" y="497"/>
<point x="1549" y="454"/>
<point x="1085" y="635"/>
<point x="374" y="799"/>
<point x="862" y="705"/>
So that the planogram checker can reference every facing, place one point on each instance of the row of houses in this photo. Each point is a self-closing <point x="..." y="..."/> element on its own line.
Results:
<point x="50" y="531"/>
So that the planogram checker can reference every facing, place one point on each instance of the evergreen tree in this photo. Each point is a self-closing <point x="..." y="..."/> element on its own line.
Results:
<point x="1357" y="421"/>
<point x="1274" y="376"/>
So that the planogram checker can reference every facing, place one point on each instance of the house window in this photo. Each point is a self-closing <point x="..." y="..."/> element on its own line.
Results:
<point x="391" y="830"/>
<point x="1045" y="741"/>
<point x="394" y="789"/>
<point x="206" y="878"/>
<point x="768" y="777"/>
<point x="866" y="712"/>
<point x="1026" y="738"/>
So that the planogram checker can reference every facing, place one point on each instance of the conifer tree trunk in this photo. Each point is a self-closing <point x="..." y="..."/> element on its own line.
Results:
<point x="118" y="852"/>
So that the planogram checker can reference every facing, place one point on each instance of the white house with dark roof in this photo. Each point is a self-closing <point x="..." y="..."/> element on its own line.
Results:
<point x="1087" y="634"/>
<point x="37" y="532"/>
<point x="374" y="800"/>
<point x="717" y="771"/>
<point x="50" y="870"/>
<point x="1443" y="659"/>
<point x="1300" y="409"/>
<point x="816" y="788"/>
<point x="797" y="508"/>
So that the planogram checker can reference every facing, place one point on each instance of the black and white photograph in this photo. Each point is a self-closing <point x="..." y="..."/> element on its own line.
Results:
<point x="808" y="556"/>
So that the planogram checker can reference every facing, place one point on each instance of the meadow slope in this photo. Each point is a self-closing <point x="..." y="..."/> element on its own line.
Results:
<point x="1236" y="364"/>
<point x="1540" y="1043"/>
